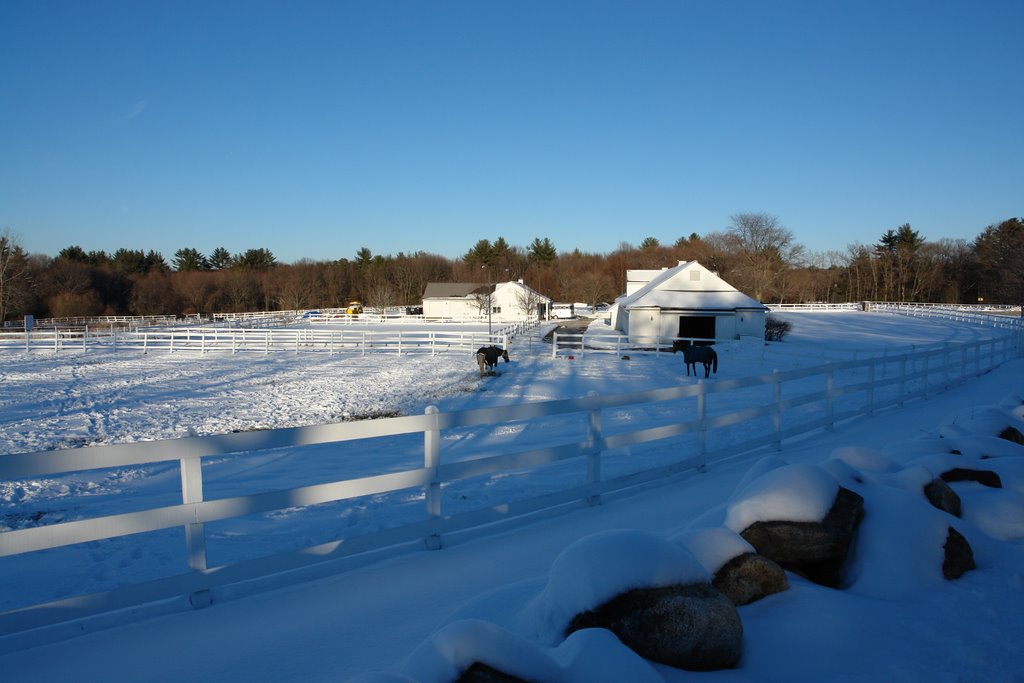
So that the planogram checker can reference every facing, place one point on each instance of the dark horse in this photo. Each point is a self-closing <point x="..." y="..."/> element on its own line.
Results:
<point x="700" y="354"/>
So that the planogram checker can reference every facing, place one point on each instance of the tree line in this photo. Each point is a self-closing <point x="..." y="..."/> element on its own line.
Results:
<point x="755" y="253"/>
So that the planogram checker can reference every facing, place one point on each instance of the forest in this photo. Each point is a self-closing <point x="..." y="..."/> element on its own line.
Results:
<point x="756" y="254"/>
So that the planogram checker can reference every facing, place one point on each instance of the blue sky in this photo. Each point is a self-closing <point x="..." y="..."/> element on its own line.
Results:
<point x="316" y="128"/>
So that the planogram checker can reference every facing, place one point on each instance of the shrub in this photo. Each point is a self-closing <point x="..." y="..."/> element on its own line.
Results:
<point x="775" y="329"/>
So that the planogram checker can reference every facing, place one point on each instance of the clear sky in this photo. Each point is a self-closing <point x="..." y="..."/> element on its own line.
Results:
<point x="316" y="128"/>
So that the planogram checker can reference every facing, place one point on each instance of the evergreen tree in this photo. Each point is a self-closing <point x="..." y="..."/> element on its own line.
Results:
<point x="542" y="252"/>
<point x="220" y="259"/>
<point x="190" y="259"/>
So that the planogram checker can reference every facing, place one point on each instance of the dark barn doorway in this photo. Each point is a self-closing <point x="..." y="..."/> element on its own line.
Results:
<point x="698" y="326"/>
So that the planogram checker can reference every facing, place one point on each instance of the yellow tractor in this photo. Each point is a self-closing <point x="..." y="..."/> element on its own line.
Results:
<point x="354" y="308"/>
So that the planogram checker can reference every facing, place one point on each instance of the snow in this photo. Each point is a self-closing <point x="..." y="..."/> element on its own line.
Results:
<point x="503" y="596"/>
<point x="796" y="493"/>
<point x="595" y="569"/>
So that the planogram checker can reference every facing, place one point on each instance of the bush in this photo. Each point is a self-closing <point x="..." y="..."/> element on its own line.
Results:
<point x="775" y="329"/>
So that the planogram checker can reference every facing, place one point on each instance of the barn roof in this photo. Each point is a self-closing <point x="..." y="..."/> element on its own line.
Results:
<point x="689" y="286"/>
<point x="453" y="290"/>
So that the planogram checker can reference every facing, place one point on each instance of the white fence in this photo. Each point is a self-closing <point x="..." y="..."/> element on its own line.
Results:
<point x="974" y="315"/>
<point x="578" y="344"/>
<point x="697" y="423"/>
<point x="204" y="340"/>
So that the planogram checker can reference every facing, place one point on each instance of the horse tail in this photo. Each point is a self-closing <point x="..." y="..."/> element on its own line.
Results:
<point x="714" y="361"/>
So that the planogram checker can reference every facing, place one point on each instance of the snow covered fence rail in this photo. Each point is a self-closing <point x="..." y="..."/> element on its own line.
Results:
<point x="204" y="340"/>
<point x="697" y="423"/>
<point x="955" y="313"/>
<point x="577" y="344"/>
<point x="816" y="306"/>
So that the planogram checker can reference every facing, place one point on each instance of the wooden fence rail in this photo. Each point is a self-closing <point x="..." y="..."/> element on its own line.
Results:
<point x="795" y="402"/>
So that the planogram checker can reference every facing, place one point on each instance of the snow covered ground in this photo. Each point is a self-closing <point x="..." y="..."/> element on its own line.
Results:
<point x="486" y="593"/>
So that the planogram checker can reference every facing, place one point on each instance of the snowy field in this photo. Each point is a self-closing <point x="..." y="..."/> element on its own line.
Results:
<point x="894" y="622"/>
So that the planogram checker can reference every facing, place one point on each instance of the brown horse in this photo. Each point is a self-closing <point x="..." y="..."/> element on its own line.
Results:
<point x="700" y="354"/>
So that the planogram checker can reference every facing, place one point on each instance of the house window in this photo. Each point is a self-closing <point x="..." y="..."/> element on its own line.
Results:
<point x="495" y="309"/>
<point x="694" y="275"/>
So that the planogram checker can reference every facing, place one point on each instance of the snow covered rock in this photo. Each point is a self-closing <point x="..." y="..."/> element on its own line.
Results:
<point x="983" y="477"/>
<point x="1012" y="434"/>
<point x="694" y="627"/>
<point x="959" y="558"/>
<point x="942" y="496"/>
<point x="473" y="650"/>
<point x="749" y="577"/>
<point x="652" y="594"/>
<point x="814" y="550"/>
<point x="735" y="568"/>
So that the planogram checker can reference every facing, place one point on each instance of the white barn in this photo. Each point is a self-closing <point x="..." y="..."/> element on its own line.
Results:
<point x="460" y="300"/>
<point x="685" y="301"/>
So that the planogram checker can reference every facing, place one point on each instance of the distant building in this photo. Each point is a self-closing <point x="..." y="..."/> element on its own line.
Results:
<point x="685" y="301"/>
<point x="460" y="300"/>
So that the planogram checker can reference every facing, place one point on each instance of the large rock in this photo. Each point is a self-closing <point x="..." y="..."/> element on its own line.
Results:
<point x="959" y="558"/>
<point x="479" y="672"/>
<point x="694" y="626"/>
<point x="983" y="477"/>
<point x="1012" y="434"/>
<point x="814" y="550"/>
<point x="749" y="577"/>
<point x="942" y="496"/>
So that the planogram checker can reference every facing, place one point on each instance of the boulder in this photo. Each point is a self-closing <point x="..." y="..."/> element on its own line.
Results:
<point x="479" y="672"/>
<point x="959" y="558"/>
<point x="749" y="577"/>
<point x="1012" y="434"/>
<point x="694" y="626"/>
<point x="814" y="550"/>
<point x="984" y="477"/>
<point x="942" y="496"/>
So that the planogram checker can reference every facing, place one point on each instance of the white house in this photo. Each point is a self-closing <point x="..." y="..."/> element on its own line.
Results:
<point x="685" y="301"/>
<point x="509" y="301"/>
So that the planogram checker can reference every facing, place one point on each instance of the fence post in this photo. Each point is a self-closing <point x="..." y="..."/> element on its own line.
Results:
<point x="431" y="461"/>
<point x="830" y="384"/>
<point x="777" y="409"/>
<point x="871" y="386"/>
<point x="702" y="427"/>
<point x="945" y="366"/>
<point x="903" y="380"/>
<point x="195" y="536"/>
<point x="596" y="441"/>
<point x="85" y="338"/>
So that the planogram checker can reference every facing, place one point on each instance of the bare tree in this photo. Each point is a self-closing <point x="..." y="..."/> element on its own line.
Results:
<point x="528" y="301"/>
<point x="13" y="274"/>
<point x="196" y="289"/>
<point x="764" y="249"/>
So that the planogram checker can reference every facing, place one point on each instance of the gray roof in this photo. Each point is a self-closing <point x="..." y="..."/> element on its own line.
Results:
<point x="453" y="290"/>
